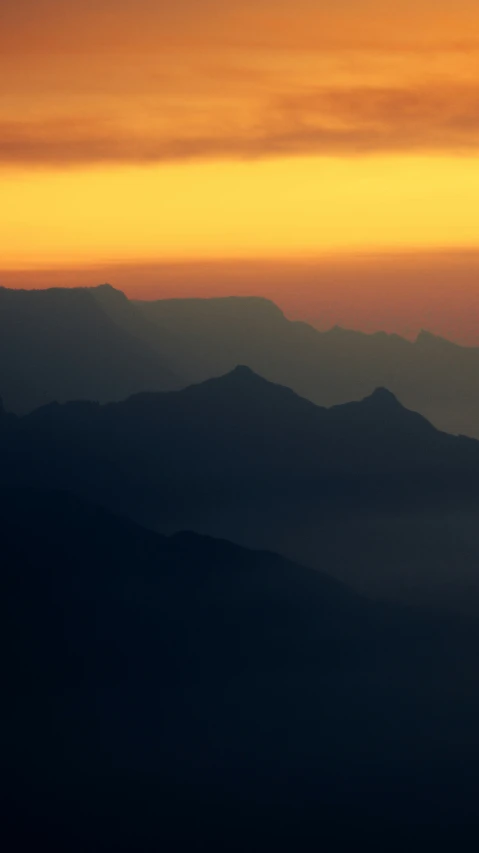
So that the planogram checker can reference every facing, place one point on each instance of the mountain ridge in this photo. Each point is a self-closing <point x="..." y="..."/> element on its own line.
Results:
<point x="431" y="375"/>
<point x="62" y="343"/>
<point x="369" y="490"/>
<point x="242" y="379"/>
<point x="155" y="683"/>
<point x="95" y="343"/>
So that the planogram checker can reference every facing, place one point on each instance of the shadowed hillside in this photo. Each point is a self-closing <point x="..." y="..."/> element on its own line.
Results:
<point x="164" y="690"/>
<point x="208" y="337"/>
<point x="370" y="491"/>
<point x="96" y="344"/>
<point x="62" y="345"/>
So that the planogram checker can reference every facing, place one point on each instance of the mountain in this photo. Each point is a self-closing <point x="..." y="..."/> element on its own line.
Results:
<point x="94" y="343"/>
<point x="167" y="692"/>
<point x="64" y="557"/>
<point x="209" y="337"/>
<point x="67" y="344"/>
<point x="369" y="491"/>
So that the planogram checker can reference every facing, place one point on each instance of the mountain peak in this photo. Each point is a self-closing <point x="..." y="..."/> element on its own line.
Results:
<point x="240" y="377"/>
<point x="243" y="376"/>
<point x="382" y="408"/>
<point x="242" y="371"/>
<point x="106" y="287"/>
<point x="244" y="386"/>
<point x="107" y="291"/>
<point x="384" y="397"/>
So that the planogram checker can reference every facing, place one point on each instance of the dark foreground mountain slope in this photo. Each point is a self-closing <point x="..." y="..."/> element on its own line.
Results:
<point x="65" y="344"/>
<point x="369" y="491"/>
<point x="209" y="337"/>
<point x="186" y="694"/>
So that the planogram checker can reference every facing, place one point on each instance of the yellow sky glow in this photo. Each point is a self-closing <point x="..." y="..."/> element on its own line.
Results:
<point x="133" y="130"/>
<point x="283" y="207"/>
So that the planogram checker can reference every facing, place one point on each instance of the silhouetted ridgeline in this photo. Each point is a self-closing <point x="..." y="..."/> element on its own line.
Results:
<point x="96" y="344"/>
<point x="62" y="345"/>
<point x="172" y="690"/>
<point x="184" y="691"/>
<point x="369" y="491"/>
<point x="208" y="337"/>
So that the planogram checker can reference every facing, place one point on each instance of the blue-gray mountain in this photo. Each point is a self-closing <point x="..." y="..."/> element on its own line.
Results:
<point x="159" y="691"/>
<point x="95" y="344"/>
<point x="369" y="491"/>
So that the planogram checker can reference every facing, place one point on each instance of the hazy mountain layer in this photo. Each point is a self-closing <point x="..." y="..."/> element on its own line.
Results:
<point x="369" y="491"/>
<point x="209" y="337"/>
<point x="96" y="344"/>
<point x="160" y="691"/>
<point x="63" y="345"/>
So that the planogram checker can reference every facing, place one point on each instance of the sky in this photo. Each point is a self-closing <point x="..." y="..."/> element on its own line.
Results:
<point x="145" y="135"/>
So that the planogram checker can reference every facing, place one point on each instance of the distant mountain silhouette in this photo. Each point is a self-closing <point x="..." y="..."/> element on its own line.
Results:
<point x="208" y="337"/>
<point x="369" y="491"/>
<point x="65" y="344"/>
<point x="205" y="589"/>
<point x="94" y="343"/>
<point x="160" y="691"/>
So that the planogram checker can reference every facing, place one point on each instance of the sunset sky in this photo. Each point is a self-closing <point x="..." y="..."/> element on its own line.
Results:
<point x="140" y="136"/>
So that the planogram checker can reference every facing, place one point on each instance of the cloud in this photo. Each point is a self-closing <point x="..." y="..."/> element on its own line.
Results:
<point x="43" y="26"/>
<point x="435" y="106"/>
<point x="330" y="122"/>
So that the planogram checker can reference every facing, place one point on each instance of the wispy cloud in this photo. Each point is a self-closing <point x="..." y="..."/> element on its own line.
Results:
<point x="317" y="121"/>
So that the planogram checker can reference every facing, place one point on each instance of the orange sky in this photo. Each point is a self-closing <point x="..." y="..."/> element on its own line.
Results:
<point x="138" y="132"/>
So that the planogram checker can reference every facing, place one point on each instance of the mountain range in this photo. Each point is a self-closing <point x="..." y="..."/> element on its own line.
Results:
<point x="368" y="491"/>
<point x="95" y="344"/>
<point x="239" y="580"/>
<point x="158" y="691"/>
<point x="61" y="345"/>
<point x="209" y="337"/>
